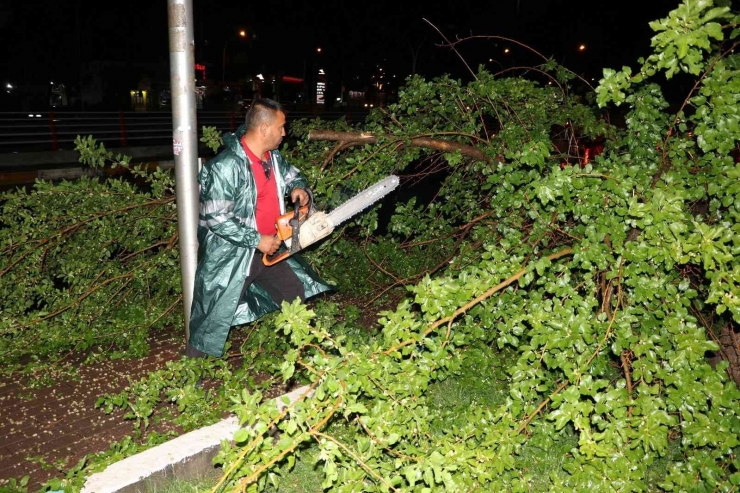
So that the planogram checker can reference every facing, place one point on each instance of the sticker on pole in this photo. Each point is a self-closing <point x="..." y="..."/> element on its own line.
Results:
<point x="176" y="147"/>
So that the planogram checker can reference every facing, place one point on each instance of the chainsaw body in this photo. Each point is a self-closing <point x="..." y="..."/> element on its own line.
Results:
<point x="311" y="228"/>
<point x="302" y="227"/>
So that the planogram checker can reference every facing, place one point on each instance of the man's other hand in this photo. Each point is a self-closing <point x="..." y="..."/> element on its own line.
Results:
<point x="268" y="244"/>
<point x="299" y="194"/>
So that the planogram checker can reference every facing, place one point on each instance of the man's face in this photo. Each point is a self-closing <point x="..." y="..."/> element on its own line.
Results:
<point x="275" y="131"/>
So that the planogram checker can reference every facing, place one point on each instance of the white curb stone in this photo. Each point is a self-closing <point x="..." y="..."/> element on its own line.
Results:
<point x="186" y="457"/>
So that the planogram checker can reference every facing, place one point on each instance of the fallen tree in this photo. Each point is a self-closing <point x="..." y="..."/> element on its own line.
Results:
<point x="611" y="280"/>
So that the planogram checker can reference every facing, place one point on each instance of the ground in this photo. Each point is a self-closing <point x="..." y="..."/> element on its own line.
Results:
<point x="46" y="431"/>
<point x="52" y="428"/>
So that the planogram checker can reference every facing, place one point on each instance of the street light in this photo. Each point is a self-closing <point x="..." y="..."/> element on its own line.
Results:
<point x="242" y="34"/>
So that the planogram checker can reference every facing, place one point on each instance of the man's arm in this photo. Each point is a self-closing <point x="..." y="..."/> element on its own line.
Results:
<point x="295" y="183"/>
<point x="217" y="201"/>
<point x="292" y="177"/>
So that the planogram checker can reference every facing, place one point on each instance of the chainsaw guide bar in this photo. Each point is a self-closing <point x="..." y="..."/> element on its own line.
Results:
<point x="363" y="200"/>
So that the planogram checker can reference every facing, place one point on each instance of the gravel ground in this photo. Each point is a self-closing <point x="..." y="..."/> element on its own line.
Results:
<point x="46" y="430"/>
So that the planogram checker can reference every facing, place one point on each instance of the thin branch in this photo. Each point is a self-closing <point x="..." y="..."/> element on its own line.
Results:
<point x="452" y="47"/>
<point x="168" y="243"/>
<point x="463" y="231"/>
<point x="535" y="69"/>
<point x="248" y="448"/>
<point x="312" y="431"/>
<point x="664" y="166"/>
<point x="178" y="300"/>
<point x="24" y="255"/>
<point x="490" y="292"/>
<point x="626" y="364"/>
<point x="357" y="459"/>
<point x="74" y="227"/>
<point x="337" y="149"/>
<point x="377" y="266"/>
<point x="81" y="298"/>
<point x="542" y="405"/>
<point x="563" y="385"/>
<point x="385" y="447"/>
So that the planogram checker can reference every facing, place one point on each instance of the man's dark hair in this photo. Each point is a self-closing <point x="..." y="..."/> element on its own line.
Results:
<point x="262" y="110"/>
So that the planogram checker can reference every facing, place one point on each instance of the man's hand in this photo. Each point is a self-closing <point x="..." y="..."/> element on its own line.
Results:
<point x="299" y="194"/>
<point x="268" y="244"/>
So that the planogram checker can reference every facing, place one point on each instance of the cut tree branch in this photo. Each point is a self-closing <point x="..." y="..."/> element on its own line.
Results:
<point x="358" y="138"/>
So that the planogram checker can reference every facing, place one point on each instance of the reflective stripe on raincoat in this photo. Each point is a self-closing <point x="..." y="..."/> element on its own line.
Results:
<point x="227" y="238"/>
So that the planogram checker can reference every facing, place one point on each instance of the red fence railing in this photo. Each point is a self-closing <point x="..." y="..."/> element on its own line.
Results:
<point x="57" y="130"/>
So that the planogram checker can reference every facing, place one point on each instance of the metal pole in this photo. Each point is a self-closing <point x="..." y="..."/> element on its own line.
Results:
<point x="184" y="142"/>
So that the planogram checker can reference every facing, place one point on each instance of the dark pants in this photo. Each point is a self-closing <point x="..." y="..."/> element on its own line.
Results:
<point x="279" y="281"/>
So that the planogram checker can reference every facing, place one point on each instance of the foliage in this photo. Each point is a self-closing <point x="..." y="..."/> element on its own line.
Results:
<point x="212" y="138"/>
<point x="15" y="485"/>
<point x="606" y="283"/>
<point x="589" y="296"/>
<point x="73" y="479"/>
<point x="86" y="264"/>
<point x="180" y="384"/>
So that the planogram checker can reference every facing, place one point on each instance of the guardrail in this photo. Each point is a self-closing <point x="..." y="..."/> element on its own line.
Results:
<point x="56" y="130"/>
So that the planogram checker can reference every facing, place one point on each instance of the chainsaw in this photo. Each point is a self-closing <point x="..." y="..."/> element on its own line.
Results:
<point x="304" y="227"/>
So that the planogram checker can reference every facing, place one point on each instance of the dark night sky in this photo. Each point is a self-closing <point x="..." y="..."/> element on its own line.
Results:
<point x="44" y="40"/>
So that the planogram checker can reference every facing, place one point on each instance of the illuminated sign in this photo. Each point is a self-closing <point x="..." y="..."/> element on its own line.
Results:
<point x="199" y="67"/>
<point x="320" y="90"/>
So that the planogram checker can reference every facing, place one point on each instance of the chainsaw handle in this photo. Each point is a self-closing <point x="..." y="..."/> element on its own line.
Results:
<point x="275" y="258"/>
<point x="286" y="230"/>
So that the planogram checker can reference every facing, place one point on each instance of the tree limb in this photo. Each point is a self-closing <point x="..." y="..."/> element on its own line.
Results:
<point x="490" y="292"/>
<point x="422" y="142"/>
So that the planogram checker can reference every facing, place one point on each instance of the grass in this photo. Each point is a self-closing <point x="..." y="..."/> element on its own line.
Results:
<point x="305" y="477"/>
<point x="202" y="484"/>
<point x="656" y="472"/>
<point x="481" y="382"/>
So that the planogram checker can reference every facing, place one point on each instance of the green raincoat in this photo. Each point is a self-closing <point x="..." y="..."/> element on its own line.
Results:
<point x="228" y="238"/>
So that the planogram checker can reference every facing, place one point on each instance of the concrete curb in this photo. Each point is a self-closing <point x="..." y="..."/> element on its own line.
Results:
<point x="186" y="457"/>
<point x="25" y="161"/>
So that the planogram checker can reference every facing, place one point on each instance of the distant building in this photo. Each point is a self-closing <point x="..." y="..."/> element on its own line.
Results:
<point x="119" y="85"/>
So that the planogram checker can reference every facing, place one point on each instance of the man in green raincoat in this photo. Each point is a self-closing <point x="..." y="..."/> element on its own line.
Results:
<point x="242" y="193"/>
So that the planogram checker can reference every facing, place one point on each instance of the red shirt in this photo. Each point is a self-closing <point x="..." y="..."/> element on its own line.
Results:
<point x="268" y="207"/>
